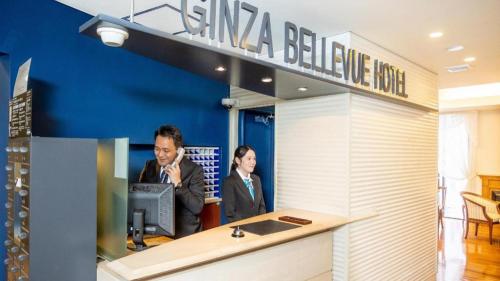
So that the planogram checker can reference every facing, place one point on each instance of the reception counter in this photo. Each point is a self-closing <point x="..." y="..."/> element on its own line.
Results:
<point x="302" y="253"/>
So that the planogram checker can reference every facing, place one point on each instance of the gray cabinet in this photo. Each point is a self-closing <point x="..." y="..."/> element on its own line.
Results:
<point x="51" y="209"/>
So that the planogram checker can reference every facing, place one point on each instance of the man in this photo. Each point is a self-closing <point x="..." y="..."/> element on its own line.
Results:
<point x="187" y="178"/>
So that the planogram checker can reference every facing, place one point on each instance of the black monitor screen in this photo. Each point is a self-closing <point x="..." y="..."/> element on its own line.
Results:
<point x="157" y="202"/>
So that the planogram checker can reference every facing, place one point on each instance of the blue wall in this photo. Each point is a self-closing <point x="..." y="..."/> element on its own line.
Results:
<point x="90" y="90"/>
<point x="93" y="91"/>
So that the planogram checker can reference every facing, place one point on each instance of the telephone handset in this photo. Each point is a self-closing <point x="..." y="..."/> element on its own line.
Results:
<point x="180" y="154"/>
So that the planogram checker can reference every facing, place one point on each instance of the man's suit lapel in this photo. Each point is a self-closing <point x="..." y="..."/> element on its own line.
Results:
<point x="185" y="170"/>
<point x="156" y="172"/>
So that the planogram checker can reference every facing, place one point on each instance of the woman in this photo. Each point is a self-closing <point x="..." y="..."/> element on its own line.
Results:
<point x="241" y="190"/>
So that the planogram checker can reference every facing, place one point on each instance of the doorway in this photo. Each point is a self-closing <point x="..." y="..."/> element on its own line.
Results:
<point x="457" y="158"/>
<point x="256" y="128"/>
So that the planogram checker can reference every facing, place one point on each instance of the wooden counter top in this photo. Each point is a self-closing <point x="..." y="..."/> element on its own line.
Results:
<point x="216" y="244"/>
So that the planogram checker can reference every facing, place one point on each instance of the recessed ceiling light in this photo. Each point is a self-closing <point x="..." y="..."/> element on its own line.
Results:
<point x="220" y="68"/>
<point x="458" y="68"/>
<point x="455" y="48"/>
<point x="469" y="59"/>
<point x="267" y="79"/>
<point x="436" y="34"/>
<point x="302" y="89"/>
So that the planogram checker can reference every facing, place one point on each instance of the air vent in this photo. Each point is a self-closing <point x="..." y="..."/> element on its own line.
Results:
<point x="458" y="68"/>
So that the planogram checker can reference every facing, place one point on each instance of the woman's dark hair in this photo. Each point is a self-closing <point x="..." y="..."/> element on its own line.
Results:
<point x="170" y="131"/>
<point x="240" y="153"/>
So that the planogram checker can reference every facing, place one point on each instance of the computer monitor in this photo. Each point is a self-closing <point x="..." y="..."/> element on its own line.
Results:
<point x="151" y="210"/>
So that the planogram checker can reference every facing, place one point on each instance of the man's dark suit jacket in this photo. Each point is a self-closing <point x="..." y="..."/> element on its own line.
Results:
<point x="238" y="203"/>
<point x="189" y="199"/>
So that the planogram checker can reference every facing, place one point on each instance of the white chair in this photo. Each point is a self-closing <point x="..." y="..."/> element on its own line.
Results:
<point x="480" y="210"/>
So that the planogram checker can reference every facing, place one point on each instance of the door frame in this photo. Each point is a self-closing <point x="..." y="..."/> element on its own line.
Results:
<point x="234" y="116"/>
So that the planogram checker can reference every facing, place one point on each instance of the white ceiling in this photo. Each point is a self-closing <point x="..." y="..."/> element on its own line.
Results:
<point x="401" y="26"/>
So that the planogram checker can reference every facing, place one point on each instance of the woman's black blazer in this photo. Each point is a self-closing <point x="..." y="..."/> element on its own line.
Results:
<point x="238" y="203"/>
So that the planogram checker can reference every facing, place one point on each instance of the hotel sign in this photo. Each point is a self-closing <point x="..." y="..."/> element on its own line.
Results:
<point x="298" y="41"/>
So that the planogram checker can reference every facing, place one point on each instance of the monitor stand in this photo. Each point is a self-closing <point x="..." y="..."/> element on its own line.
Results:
<point x="138" y="231"/>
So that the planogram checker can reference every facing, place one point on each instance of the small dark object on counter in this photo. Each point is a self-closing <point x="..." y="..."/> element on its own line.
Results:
<point x="295" y="220"/>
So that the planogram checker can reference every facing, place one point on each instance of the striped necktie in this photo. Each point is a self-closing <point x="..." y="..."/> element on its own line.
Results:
<point x="249" y="185"/>
<point x="163" y="176"/>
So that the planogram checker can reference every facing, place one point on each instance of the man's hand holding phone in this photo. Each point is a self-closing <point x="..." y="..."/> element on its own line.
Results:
<point x="173" y="170"/>
<point x="174" y="173"/>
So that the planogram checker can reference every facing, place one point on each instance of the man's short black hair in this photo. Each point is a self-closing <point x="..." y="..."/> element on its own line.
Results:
<point x="170" y="131"/>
